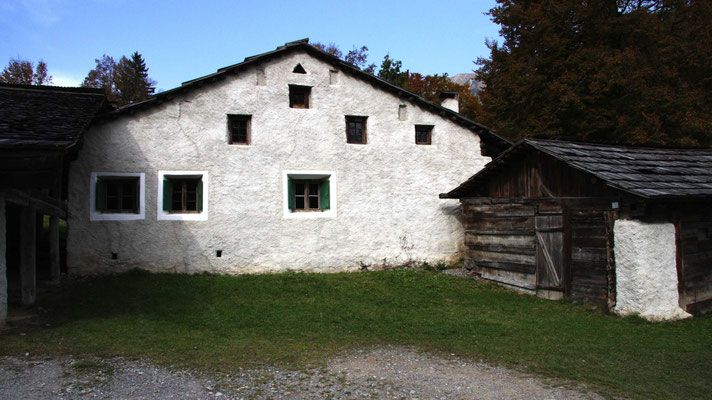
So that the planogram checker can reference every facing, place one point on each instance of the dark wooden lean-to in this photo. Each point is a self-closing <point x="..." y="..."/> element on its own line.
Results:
<point x="540" y="217"/>
<point x="40" y="131"/>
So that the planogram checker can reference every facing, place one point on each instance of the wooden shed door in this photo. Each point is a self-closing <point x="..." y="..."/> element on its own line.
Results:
<point x="550" y="251"/>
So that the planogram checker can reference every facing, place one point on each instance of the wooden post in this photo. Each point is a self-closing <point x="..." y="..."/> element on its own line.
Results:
<point x="3" y="264"/>
<point x="28" y="254"/>
<point x="54" y="248"/>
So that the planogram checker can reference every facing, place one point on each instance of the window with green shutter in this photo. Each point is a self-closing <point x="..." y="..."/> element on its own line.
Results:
<point x="308" y="194"/>
<point x="182" y="194"/>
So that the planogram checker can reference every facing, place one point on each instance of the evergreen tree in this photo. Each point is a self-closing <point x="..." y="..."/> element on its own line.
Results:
<point x="132" y="81"/>
<point x="125" y="82"/>
<point x="625" y="71"/>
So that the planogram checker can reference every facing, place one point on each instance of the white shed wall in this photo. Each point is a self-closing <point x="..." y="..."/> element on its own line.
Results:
<point x="387" y="194"/>
<point x="646" y="273"/>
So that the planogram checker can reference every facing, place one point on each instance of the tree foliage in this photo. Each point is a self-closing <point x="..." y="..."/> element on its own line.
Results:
<point x="125" y="81"/>
<point x="102" y="76"/>
<point x="430" y="86"/>
<point x="26" y="73"/>
<point x="391" y="71"/>
<point x="357" y="56"/>
<point x="426" y="86"/>
<point x="634" y="71"/>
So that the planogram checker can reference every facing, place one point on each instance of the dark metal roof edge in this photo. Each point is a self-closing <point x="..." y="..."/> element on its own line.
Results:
<point x="47" y="88"/>
<point x="619" y="145"/>
<point x="303" y="44"/>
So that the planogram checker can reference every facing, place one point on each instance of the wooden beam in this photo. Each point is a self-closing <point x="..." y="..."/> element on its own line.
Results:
<point x="54" y="248"/>
<point x="42" y="203"/>
<point x="3" y="264"/>
<point x="28" y="254"/>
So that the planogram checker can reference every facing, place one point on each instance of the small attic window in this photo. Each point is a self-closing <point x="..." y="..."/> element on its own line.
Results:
<point x="299" y="96"/>
<point x="299" y="69"/>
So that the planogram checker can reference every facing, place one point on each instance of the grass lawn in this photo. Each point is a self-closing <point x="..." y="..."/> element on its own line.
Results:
<point x="221" y="322"/>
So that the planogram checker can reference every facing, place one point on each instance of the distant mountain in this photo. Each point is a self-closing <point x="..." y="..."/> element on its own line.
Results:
<point x="469" y="79"/>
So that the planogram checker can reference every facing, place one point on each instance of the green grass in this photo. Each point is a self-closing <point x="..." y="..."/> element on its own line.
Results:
<point x="220" y="323"/>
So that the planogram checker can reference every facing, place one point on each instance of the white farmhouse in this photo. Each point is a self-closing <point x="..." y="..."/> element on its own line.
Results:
<point x="290" y="160"/>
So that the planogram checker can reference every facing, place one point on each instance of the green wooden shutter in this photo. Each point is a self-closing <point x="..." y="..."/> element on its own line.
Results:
<point x="199" y="191"/>
<point x="324" y="194"/>
<point x="100" y="195"/>
<point x="291" y="196"/>
<point x="167" y="195"/>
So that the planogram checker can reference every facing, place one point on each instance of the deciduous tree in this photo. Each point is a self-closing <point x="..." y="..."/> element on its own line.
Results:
<point x="616" y="71"/>
<point x="26" y="73"/>
<point x="125" y="81"/>
<point x="102" y="76"/>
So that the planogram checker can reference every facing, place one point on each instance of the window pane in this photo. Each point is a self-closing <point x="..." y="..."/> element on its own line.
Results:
<point x="112" y="203"/>
<point x="300" y="189"/>
<point x="300" y="202"/>
<point x="314" y="202"/>
<point x="355" y="131"/>
<point x="177" y="203"/>
<point x="112" y="188"/>
<point x="313" y="189"/>
<point x="239" y="131"/>
<point x="127" y="202"/>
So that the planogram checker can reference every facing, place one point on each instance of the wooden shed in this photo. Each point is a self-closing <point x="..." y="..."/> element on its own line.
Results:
<point x="40" y="131"/>
<point x="543" y="217"/>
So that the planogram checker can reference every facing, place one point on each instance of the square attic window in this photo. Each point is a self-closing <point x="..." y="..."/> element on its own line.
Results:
<point x="356" y="129"/>
<point x="239" y="128"/>
<point x="299" y="96"/>
<point x="423" y="134"/>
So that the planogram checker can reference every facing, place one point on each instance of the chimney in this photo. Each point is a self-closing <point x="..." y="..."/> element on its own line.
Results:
<point x="450" y="100"/>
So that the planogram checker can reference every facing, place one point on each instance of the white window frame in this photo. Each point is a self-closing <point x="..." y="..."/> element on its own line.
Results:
<point x="162" y="215"/>
<point x="95" y="215"/>
<point x="308" y="175"/>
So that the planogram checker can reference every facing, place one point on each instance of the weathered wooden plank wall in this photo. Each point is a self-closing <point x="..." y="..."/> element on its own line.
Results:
<point x="500" y="242"/>
<point x="695" y="235"/>
<point x="540" y="175"/>
<point x="589" y="256"/>
<point x="501" y="245"/>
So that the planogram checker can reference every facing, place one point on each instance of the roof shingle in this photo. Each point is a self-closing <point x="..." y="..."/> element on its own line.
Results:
<point x="46" y="116"/>
<point x="646" y="172"/>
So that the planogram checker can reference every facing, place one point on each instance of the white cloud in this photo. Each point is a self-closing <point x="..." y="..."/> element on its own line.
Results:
<point x="66" y="80"/>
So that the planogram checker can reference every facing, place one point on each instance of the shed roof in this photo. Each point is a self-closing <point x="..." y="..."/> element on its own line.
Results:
<point x="646" y="172"/>
<point x="493" y="144"/>
<point x="46" y="117"/>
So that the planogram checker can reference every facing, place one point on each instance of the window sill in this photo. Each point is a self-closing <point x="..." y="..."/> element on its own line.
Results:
<point x="115" y="216"/>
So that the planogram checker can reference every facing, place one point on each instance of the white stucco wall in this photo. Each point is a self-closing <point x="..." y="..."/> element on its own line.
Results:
<point x="387" y="205"/>
<point x="646" y="273"/>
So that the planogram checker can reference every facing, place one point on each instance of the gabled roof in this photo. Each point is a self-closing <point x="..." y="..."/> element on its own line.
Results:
<point x="646" y="172"/>
<point x="493" y="144"/>
<point x="46" y="117"/>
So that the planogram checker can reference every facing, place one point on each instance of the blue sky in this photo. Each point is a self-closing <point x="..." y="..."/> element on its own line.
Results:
<point x="182" y="40"/>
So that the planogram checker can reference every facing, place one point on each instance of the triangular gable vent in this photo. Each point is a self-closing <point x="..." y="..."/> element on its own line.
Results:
<point x="299" y="69"/>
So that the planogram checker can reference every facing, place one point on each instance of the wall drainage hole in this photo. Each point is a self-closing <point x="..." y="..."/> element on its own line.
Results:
<point x="218" y="253"/>
<point x="114" y="256"/>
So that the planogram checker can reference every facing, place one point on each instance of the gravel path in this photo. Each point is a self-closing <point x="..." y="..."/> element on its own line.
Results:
<point x="383" y="373"/>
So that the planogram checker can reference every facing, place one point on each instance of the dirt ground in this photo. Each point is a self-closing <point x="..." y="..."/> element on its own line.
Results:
<point x="383" y="373"/>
